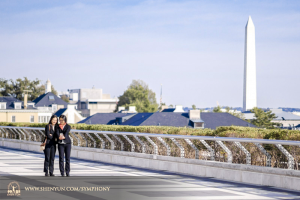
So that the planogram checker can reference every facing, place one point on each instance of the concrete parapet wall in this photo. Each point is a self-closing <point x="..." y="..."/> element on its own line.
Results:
<point x="266" y="176"/>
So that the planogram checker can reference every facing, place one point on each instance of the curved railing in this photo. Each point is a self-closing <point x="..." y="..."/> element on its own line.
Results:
<point x="268" y="153"/>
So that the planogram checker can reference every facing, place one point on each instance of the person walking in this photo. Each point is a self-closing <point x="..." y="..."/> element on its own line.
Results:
<point x="64" y="145"/>
<point x="50" y="145"/>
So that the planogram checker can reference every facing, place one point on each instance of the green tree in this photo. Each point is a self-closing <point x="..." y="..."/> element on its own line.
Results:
<point x="263" y="119"/>
<point x="194" y="107"/>
<point x="16" y="88"/>
<point x="217" y="109"/>
<point x="170" y="106"/>
<point x="139" y="95"/>
<point x="65" y="98"/>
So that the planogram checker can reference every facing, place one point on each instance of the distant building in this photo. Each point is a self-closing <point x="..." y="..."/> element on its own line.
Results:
<point x="287" y="120"/>
<point x="49" y="101"/>
<point x="191" y="119"/>
<point x="73" y="116"/>
<point x="12" y="110"/>
<point x="92" y="101"/>
<point x="178" y="108"/>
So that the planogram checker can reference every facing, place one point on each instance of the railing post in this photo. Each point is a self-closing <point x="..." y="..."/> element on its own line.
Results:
<point x="78" y="140"/>
<point x="153" y="144"/>
<point x="42" y="133"/>
<point x="6" y="132"/>
<point x="211" y="150"/>
<point x="248" y="155"/>
<point x="112" y="144"/>
<point x="24" y="135"/>
<point x="71" y="141"/>
<point x="180" y="147"/>
<point x="34" y="136"/>
<point x="141" y="143"/>
<point x="269" y="157"/>
<point x="13" y="131"/>
<point x="194" y="147"/>
<point x="86" y="143"/>
<point x="119" y="140"/>
<point x="102" y="141"/>
<point x="37" y="133"/>
<point x="166" y="145"/>
<point x="2" y="133"/>
<point x="88" y="134"/>
<point x="229" y="160"/>
<point x="131" y="143"/>
<point x="291" y="161"/>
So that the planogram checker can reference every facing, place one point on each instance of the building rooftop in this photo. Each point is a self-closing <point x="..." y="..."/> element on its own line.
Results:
<point x="211" y="120"/>
<point x="46" y="100"/>
<point x="9" y="101"/>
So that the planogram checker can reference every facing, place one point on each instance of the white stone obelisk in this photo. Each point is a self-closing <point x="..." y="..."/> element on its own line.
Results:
<point x="249" y="97"/>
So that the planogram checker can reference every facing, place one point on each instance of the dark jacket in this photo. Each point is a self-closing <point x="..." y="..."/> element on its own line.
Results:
<point x="66" y="132"/>
<point x="51" y="134"/>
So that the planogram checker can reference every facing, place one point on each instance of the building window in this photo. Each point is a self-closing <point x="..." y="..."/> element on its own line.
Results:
<point x="17" y="106"/>
<point x="31" y="119"/>
<point x="13" y="118"/>
<point x="54" y="107"/>
<point x="3" y="106"/>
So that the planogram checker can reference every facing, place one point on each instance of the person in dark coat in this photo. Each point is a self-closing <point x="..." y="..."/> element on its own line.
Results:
<point x="64" y="145"/>
<point x="50" y="145"/>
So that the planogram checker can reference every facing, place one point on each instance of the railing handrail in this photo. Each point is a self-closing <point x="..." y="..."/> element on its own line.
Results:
<point x="191" y="137"/>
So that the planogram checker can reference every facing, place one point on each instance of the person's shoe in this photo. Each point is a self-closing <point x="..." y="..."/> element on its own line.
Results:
<point x="46" y="174"/>
<point x="68" y="174"/>
<point x="62" y="174"/>
<point x="51" y="174"/>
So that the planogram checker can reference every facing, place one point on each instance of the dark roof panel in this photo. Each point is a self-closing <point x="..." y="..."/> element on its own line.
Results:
<point x="211" y="120"/>
<point x="46" y="100"/>
<point x="9" y="101"/>
<point x="103" y="118"/>
<point x="60" y="112"/>
<point x="168" y="110"/>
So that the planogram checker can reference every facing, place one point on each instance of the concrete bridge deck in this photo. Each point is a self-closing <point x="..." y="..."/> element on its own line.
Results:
<point x="125" y="182"/>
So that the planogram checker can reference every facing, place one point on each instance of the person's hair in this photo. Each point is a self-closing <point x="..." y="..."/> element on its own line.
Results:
<point x="63" y="117"/>
<point x="53" y="116"/>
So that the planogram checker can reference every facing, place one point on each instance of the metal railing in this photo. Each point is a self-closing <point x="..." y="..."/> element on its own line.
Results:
<point x="186" y="146"/>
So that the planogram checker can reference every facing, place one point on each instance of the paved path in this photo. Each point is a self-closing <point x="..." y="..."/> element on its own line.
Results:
<point x="125" y="182"/>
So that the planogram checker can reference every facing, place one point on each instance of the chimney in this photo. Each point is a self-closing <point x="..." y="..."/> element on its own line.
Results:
<point x="178" y="108"/>
<point x="194" y="114"/>
<point x="25" y="100"/>
<point x="195" y="117"/>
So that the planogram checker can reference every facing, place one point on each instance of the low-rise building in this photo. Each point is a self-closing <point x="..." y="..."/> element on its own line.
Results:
<point x="73" y="116"/>
<point x="92" y="101"/>
<point x="12" y="110"/>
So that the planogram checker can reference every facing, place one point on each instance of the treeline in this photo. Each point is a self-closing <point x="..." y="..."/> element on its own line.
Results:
<point x="15" y="88"/>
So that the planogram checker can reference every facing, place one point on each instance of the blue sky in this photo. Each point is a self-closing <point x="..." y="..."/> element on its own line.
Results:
<point x="194" y="48"/>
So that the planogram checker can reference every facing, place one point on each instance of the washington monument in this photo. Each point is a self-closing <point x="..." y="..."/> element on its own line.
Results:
<point x="249" y="97"/>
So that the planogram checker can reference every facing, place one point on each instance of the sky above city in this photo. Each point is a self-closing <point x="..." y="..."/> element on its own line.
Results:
<point x="194" y="48"/>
